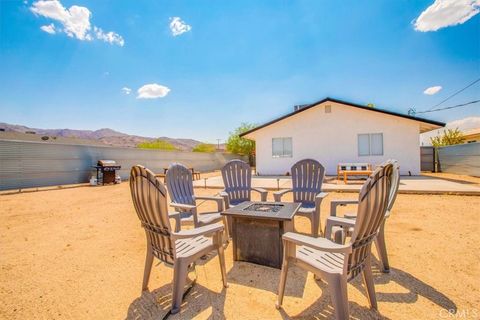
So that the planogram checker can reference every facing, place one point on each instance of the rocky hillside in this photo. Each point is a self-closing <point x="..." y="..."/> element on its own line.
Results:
<point x="104" y="136"/>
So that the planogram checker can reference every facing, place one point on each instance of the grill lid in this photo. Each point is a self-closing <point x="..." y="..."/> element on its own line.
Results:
<point x="106" y="163"/>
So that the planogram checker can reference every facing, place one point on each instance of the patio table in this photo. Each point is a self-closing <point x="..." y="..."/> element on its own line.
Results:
<point x="257" y="229"/>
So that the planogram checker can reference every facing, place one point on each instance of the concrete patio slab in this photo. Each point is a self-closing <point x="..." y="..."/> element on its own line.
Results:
<point x="413" y="184"/>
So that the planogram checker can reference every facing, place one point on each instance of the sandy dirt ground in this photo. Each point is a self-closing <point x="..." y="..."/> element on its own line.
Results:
<point x="454" y="177"/>
<point x="79" y="254"/>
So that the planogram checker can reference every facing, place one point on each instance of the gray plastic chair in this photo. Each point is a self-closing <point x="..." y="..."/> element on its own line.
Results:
<point x="237" y="179"/>
<point x="340" y="233"/>
<point x="180" y="189"/>
<point x="336" y="263"/>
<point x="307" y="179"/>
<point x="177" y="249"/>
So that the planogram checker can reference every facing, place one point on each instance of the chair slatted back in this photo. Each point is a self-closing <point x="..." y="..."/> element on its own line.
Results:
<point x="180" y="184"/>
<point x="150" y="201"/>
<point x="373" y="202"/>
<point x="237" y="178"/>
<point x="307" y="179"/>
<point x="395" y="185"/>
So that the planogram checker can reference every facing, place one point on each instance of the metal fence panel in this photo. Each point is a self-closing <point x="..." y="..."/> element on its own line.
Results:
<point x="25" y="164"/>
<point x="460" y="159"/>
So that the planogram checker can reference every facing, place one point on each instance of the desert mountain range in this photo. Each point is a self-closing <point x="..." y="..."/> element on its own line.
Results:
<point x="103" y="136"/>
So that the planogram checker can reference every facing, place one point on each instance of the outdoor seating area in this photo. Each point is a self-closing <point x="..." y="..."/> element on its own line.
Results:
<point x="52" y="249"/>
<point x="264" y="232"/>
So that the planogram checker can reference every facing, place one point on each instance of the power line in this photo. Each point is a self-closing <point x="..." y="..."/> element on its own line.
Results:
<point x="451" y="96"/>
<point x="451" y="107"/>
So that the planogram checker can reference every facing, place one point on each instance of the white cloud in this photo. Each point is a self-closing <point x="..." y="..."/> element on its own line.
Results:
<point x="178" y="26"/>
<point x="126" y="90"/>
<point x="464" y="125"/>
<point x="110" y="37"/>
<point x="152" y="91"/>
<point x="75" y="21"/>
<point x="444" y="13"/>
<point x="49" y="28"/>
<point x="432" y="90"/>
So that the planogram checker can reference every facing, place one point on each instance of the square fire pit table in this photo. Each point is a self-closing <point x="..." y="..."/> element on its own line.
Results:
<point x="257" y="229"/>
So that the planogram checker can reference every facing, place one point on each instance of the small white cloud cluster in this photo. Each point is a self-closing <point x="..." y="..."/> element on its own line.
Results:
<point x="126" y="90"/>
<point x="152" y="91"/>
<point x="178" y="26"/>
<point x="110" y="37"/>
<point x="432" y="90"/>
<point x="50" y="28"/>
<point x="75" y="22"/>
<point x="445" y="13"/>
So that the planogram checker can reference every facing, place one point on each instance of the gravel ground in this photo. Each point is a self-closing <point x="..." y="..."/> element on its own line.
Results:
<point x="79" y="254"/>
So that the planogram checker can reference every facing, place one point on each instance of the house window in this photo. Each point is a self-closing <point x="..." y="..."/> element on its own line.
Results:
<point x="370" y="144"/>
<point x="281" y="147"/>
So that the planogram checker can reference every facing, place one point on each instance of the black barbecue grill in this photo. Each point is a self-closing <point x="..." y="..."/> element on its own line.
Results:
<point x="108" y="170"/>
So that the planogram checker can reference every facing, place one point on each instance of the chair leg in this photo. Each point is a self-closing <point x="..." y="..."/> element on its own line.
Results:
<point x="339" y="236"/>
<point x="315" y="222"/>
<point x="283" y="281"/>
<point x="178" y="223"/>
<point x="226" y="233"/>
<point x="221" y="258"/>
<point x="180" y="273"/>
<point x="337" y="285"/>
<point x="382" y="249"/>
<point x="148" y="267"/>
<point x="368" y="281"/>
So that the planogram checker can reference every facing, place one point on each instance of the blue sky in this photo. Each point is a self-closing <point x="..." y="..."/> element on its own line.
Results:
<point x="226" y="62"/>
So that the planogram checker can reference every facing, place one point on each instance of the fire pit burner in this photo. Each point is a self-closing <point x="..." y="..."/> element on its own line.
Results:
<point x="262" y="207"/>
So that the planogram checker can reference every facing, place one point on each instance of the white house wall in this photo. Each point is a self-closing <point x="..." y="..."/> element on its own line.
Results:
<point x="331" y="138"/>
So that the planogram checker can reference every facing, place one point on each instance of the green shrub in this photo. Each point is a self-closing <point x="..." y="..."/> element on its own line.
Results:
<point x="157" y="144"/>
<point x="204" y="147"/>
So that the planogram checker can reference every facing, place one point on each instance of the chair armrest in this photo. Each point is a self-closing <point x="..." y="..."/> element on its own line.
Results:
<point x="316" y="243"/>
<point x="277" y="196"/>
<point x="337" y="221"/>
<point x="182" y="206"/>
<point x="263" y="193"/>
<point x="335" y="203"/>
<point x="218" y="200"/>
<point x="319" y="198"/>
<point x="226" y="199"/>
<point x="201" y="231"/>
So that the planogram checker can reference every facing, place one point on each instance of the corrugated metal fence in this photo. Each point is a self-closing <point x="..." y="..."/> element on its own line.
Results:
<point x="460" y="159"/>
<point x="34" y="164"/>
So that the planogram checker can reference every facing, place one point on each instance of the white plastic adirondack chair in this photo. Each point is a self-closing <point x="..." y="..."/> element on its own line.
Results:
<point x="177" y="249"/>
<point x="307" y="179"/>
<point x="180" y="189"/>
<point x="341" y="232"/>
<point x="339" y="263"/>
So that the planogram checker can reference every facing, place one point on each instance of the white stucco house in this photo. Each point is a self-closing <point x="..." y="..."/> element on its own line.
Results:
<point x="334" y="131"/>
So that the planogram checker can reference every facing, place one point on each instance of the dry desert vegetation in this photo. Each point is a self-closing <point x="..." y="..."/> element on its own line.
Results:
<point x="79" y="254"/>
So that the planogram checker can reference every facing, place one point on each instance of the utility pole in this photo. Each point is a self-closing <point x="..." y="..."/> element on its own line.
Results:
<point x="218" y="144"/>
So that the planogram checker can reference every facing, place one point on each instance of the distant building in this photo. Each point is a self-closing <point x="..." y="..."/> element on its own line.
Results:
<point x="472" y="135"/>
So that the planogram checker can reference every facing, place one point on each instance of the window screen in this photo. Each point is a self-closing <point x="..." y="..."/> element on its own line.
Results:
<point x="281" y="147"/>
<point x="376" y="144"/>
<point x="363" y="144"/>
<point x="370" y="144"/>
